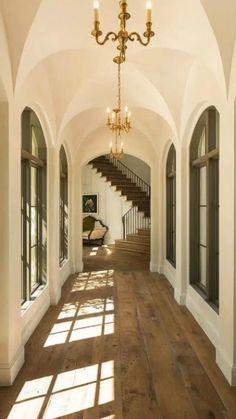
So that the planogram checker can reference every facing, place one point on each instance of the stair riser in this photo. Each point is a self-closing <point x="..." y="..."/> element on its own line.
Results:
<point x="138" y="252"/>
<point x="144" y="232"/>
<point x="136" y="246"/>
<point x="139" y="239"/>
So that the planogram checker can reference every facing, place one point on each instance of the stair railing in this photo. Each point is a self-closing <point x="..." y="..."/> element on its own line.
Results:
<point x="133" y="220"/>
<point x="130" y="174"/>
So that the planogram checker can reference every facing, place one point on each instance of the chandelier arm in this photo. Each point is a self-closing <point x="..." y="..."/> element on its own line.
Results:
<point x="136" y="35"/>
<point x="107" y="37"/>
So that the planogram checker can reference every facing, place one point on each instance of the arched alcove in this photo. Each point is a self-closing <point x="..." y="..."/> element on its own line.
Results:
<point x="119" y="193"/>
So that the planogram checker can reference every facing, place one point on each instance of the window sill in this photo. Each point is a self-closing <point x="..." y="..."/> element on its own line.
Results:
<point x="201" y="292"/>
<point x="171" y="262"/>
<point x="27" y="304"/>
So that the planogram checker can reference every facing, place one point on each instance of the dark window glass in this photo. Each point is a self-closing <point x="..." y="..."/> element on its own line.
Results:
<point x="171" y="206"/>
<point x="63" y="206"/>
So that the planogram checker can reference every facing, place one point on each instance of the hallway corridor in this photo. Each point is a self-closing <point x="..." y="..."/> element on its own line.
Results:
<point x="118" y="346"/>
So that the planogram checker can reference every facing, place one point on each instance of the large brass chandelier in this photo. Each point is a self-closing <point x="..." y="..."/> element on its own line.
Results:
<point x="122" y="36"/>
<point x="117" y="124"/>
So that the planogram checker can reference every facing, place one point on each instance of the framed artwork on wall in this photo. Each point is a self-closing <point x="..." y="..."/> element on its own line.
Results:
<point x="90" y="203"/>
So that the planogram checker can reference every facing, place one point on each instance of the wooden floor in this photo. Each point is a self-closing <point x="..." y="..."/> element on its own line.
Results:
<point x="118" y="346"/>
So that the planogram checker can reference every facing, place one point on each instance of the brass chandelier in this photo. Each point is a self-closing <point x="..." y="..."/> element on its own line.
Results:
<point x="116" y="124"/>
<point x="122" y="36"/>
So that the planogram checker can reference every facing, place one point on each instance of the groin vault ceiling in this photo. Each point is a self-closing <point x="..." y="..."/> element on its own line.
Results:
<point x="49" y="58"/>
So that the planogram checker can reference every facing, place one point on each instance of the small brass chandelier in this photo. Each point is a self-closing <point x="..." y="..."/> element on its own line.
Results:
<point x="117" y="149"/>
<point x="114" y="117"/>
<point x="122" y="36"/>
<point x="116" y="124"/>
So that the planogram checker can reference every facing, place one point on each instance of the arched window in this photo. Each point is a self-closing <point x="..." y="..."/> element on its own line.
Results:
<point x="63" y="206"/>
<point x="171" y="206"/>
<point x="33" y="205"/>
<point x="204" y="207"/>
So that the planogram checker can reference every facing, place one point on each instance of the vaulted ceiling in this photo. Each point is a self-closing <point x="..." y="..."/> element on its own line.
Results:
<point x="51" y="59"/>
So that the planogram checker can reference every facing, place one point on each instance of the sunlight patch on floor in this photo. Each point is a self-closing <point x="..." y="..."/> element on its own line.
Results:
<point x="90" y="319"/>
<point x="68" y="310"/>
<point x="71" y="401"/>
<point x="92" y="327"/>
<point x="94" y="251"/>
<point x="35" y="388"/>
<point x="27" y="410"/>
<point x="93" y="280"/>
<point x="73" y="391"/>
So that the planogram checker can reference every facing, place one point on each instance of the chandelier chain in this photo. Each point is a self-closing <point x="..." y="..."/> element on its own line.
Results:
<point x="119" y="92"/>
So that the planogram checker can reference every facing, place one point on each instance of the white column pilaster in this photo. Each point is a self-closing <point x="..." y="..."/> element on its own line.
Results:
<point x="53" y="225"/>
<point x="226" y="350"/>
<point x="182" y="222"/>
<point x="11" y="348"/>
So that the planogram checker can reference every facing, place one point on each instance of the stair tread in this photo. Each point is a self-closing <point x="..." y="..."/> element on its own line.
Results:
<point x="129" y="242"/>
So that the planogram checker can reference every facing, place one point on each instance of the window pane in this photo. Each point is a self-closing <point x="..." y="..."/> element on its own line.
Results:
<point x="34" y="143"/>
<point x="202" y="174"/>
<point x="203" y="266"/>
<point x="34" y="188"/>
<point x="34" y="266"/>
<point x="203" y="226"/>
<point x="202" y="144"/>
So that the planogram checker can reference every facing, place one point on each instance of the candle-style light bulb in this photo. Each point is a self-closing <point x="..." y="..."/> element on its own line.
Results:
<point x="149" y="11"/>
<point x="126" y="109"/>
<point x="108" y="110"/>
<point x="96" y="10"/>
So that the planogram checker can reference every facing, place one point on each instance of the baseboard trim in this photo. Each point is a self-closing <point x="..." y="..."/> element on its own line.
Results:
<point x="203" y="321"/>
<point x="226" y="367"/>
<point x="180" y="297"/>
<point x="9" y="371"/>
<point x="169" y="273"/>
<point x="153" y="267"/>
<point x="80" y="267"/>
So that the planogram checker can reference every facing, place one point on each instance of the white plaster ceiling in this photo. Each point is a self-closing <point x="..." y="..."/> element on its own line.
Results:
<point x="56" y="64"/>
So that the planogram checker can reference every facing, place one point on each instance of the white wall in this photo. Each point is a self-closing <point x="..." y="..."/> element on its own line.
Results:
<point x="111" y="206"/>
<point x="139" y="167"/>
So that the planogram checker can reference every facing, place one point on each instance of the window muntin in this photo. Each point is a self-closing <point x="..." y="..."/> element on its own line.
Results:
<point x="204" y="207"/>
<point x="33" y="205"/>
<point x="171" y="206"/>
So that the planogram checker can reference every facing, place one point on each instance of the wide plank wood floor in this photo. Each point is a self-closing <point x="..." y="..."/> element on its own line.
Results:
<point x="118" y="346"/>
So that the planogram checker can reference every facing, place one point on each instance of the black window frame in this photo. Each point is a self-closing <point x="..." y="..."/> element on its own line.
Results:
<point x="63" y="206"/>
<point x="171" y="206"/>
<point x="209" y="122"/>
<point x="31" y="127"/>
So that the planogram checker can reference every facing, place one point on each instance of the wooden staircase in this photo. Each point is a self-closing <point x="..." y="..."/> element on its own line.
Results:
<point x="130" y="186"/>
<point x="135" y="243"/>
<point x="123" y="184"/>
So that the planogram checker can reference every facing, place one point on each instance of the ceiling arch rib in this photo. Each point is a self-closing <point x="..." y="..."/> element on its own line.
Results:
<point x="151" y="125"/>
<point x="221" y="17"/>
<point x="18" y="18"/>
<point x="176" y="31"/>
<point x="98" y="143"/>
<point x="6" y="88"/>
<point x="232" y="83"/>
<point x="201" y="87"/>
<point x="139" y="92"/>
